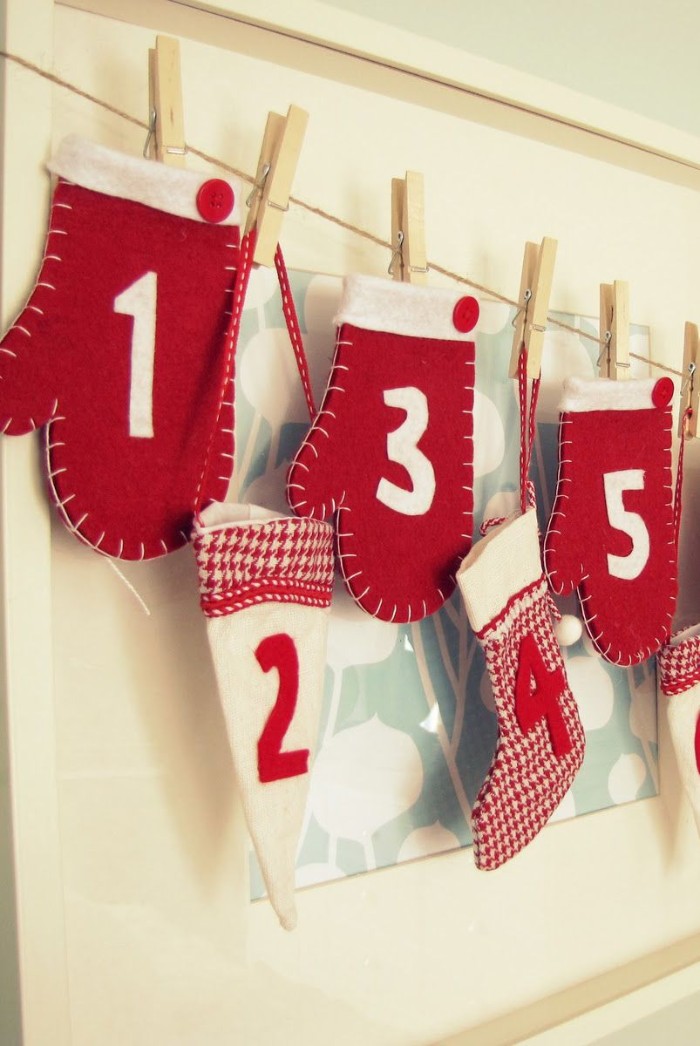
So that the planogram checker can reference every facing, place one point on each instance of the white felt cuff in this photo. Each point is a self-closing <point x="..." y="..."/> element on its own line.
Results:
<point x="377" y="304"/>
<point x="168" y="189"/>
<point x="581" y="394"/>
<point x="692" y="632"/>
<point x="499" y="566"/>
<point x="223" y="514"/>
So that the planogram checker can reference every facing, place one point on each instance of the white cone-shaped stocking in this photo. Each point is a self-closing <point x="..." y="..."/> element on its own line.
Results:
<point x="265" y="587"/>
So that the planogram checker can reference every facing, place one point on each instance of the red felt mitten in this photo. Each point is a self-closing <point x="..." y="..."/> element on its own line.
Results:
<point x="391" y="448"/>
<point x="120" y="348"/>
<point x="265" y="586"/>
<point x="540" y="738"/>
<point x="612" y="534"/>
<point x="679" y="679"/>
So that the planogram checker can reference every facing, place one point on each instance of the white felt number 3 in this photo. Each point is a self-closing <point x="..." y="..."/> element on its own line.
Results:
<point x="631" y="523"/>
<point x="402" y="447"/>
<point x="139" y="301"/>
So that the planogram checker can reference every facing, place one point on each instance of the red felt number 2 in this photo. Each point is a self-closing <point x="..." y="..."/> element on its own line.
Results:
<point x="542" y="700"/>
<point x="278" y="651"/>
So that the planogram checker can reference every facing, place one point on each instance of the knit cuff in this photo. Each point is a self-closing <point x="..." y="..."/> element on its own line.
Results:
<point x="244" y="561"/>
<point x="679" y="662"/>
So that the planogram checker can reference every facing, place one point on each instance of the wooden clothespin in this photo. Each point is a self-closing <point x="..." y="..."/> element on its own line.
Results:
<point x="409" y="262"/>
<point x="166" y="124"/>
<point x="535" y="289"/>
<point x="690" y="388"/>
<point x="278" y="160"/>
<point x="614" y="360"/>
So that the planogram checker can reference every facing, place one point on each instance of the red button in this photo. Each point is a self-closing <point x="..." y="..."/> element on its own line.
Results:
<point x="465" y="314"/>
<point x="215" y="200"/>
<point x="662" y="393"/>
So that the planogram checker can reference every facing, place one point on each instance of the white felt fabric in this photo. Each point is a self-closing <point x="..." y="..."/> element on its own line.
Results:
<point x="222" y="514"/>
<point x="585" y="394"/>
<point x="377" y="304"/>
<point x="687" y="633"/>
<point x="499" y="566"/>
<point x="402" y="445"/>
<point x="139" y="300"/>
<point x="169" y="189"/>
<point x="615" y="485"/>
<point x="683" y="711"/>
<point x="274" y="810"/>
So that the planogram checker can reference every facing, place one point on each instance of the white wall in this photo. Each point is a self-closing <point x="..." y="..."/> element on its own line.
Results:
<point x="640" y="57"/>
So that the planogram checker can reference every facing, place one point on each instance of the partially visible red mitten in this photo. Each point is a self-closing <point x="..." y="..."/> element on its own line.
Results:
<point x="120" y="348"/>
<point x="679" y="680"/>
<point x="540" y="738"/>
<point x="391" y="450"/>
<point x="612" y="534"/>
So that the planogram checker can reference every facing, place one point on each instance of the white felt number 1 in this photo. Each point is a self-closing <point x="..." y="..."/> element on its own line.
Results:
<point x="631" y="523"/>
<point x="139" y="301"/>
<point x="402" y="447"/>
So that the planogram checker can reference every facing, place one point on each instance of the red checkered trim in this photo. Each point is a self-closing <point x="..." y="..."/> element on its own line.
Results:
<point x="679" y="666"/>
<point x="271" y="561"/>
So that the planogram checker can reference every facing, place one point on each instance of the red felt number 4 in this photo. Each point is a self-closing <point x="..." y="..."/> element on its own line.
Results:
<point x="278" y="651"/>
<point x="541" y="701"/>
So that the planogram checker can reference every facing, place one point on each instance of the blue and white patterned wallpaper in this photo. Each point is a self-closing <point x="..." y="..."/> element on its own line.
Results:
<point x="408" y="727"/>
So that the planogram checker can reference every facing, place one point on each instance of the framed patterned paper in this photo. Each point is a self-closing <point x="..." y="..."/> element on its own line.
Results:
<point x="408" y="727"/>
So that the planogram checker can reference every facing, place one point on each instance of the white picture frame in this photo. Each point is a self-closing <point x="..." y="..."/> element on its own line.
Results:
<point x="643" y="855"/>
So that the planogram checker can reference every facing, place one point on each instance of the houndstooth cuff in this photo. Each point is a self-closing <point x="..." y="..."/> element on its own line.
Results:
<point x="679" y="662"/>
<point x="247" y="562"/>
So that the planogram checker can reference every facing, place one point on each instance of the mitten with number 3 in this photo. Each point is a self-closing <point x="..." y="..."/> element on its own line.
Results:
<point x="612" y="534"/>
<point x="391" y="450"/>
<point x="265" y="586"/>
<point x="120" y="348"/>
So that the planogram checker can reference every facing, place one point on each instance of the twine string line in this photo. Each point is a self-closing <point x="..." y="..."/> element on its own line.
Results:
<point x="319" y="212"/>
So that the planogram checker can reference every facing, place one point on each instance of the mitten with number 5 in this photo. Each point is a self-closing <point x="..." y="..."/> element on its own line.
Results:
<point x="119" y="350"/>
<point x="540" y="738"/>
<point x="265" y="586"/>
<point x="612" y="534"/>
<point x="391" y="450"/>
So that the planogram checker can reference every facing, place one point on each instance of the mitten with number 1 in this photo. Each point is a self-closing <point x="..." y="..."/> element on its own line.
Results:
<point x="265" y="587"/>
<point x="120" y="348"/>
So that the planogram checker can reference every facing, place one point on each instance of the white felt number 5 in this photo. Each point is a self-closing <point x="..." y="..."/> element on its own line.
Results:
<point x="139" y="301"/>
<point x="631" y="523"/>
<point x="402" y="447"/>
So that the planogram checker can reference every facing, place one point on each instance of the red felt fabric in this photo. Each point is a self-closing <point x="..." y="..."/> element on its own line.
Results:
<point x="67" y="361"/>
<point x="278" y="652"/>
<point x="628" y="619"/>
<point x="538" y="691"/>
<point x="398" y="567"/>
